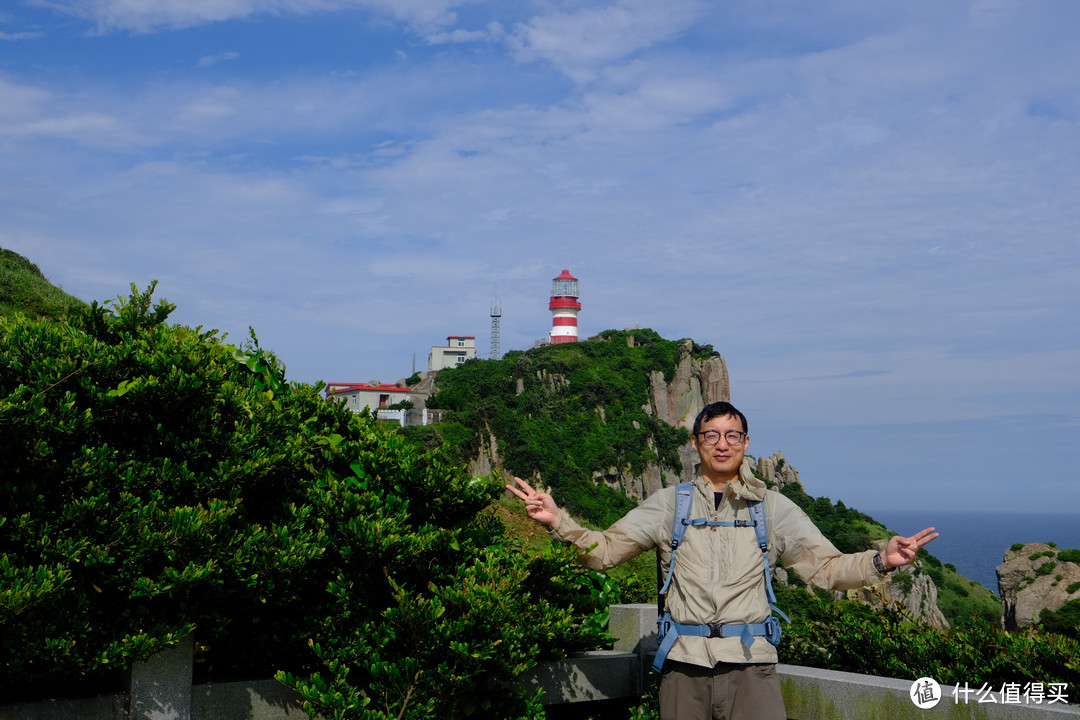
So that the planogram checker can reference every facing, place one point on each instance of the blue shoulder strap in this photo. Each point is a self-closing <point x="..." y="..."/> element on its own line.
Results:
<point x="757" y="512"/>
<point x="684" y="498"/>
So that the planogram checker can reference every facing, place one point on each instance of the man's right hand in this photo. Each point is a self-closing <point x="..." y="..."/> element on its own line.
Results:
<point x="540" y="506"/>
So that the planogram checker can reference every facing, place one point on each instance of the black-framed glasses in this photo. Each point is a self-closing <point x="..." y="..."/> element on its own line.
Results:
<point x="733" y="437"/>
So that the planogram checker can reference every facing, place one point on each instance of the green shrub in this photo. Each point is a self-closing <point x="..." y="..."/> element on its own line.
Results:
<point x="846" y="636"/>
<point x="157" y="481"/>
<point x="1064" y="620"/>
<point x="903" y="581"/>
<point x="1045" y="569"/>
<point x="958" y="589"/>
<point x="1071" y="555"/>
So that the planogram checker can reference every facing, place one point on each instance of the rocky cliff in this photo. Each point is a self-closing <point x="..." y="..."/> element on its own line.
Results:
<point x="907" y="589"/>
<point x="693" y="385"/>
<point x="1033" y="578"/>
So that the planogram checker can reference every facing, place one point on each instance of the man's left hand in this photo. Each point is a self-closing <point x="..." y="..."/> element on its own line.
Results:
<point x="902" y="550"/>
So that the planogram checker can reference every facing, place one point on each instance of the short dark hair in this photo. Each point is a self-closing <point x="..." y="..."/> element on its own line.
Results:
<point x="719" y="409"/>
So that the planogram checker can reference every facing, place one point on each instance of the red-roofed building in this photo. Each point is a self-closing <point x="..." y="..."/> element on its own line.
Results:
<point x="358" y="396"/>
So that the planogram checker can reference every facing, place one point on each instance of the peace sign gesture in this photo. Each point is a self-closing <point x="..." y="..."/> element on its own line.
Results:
<point x="540" y="506"/>
<point x="901" y="550"/>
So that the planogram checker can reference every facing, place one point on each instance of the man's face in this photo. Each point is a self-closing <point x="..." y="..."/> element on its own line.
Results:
<point x="720" y="462"/>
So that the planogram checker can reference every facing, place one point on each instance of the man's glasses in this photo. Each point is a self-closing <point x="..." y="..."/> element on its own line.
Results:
<point x="733" y="437"/>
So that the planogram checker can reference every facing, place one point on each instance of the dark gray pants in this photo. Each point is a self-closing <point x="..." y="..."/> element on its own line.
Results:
<point x="725" y="692"/>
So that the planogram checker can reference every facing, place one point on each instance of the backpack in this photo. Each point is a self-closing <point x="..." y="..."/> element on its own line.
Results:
<point x="667" y="629"/>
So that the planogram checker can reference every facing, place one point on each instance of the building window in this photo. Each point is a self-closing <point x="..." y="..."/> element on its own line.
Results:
<point x="460" y="359"/>
<point x="461" y="343"/>
<point x="383" y="400"/>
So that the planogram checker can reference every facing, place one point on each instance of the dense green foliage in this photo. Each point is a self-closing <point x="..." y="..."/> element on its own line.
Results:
<point x="157" y="481"/>
<point x="567" y="413"/>
<point x="1065" y="620"/>
<point x="23" y="288"/>
<point x="848" y="636"/>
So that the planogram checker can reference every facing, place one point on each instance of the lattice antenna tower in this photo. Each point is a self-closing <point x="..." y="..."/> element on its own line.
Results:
<point x="496" y="313"/>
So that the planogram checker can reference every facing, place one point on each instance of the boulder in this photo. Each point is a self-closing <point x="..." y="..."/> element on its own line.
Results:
<point x="1033" y="578"/>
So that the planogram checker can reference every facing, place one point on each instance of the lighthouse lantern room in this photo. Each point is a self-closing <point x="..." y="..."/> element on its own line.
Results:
<point x="564" y="308"/>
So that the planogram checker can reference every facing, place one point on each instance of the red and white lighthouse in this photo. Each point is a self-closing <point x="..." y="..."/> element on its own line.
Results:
<point x="564" y="308"/>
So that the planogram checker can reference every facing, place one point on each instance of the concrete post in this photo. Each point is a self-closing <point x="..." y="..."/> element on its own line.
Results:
<point x="160" y="688"/>
<point x="634" y="628"/>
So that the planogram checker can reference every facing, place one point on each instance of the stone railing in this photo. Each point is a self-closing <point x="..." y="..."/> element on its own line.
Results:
<point x="161" y="689"/>
<point x="809" y="693"/>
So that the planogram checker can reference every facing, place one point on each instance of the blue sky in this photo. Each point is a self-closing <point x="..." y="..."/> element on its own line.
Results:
<point x="870" y="209"/>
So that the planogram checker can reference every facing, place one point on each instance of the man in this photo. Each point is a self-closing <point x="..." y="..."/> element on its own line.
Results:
<point x="718" y="579"/>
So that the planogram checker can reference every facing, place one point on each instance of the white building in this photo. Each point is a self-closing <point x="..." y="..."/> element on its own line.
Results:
<point x="457" y="350"/>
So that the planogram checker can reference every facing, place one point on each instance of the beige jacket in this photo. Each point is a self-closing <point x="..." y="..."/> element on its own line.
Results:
<point x="719" y="574"/>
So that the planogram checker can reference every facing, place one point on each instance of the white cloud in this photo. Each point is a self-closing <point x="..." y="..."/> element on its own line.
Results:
<point x="211" y="60"/>
<point x="145" y="17"/>
<point x="580" y="42"/>
<point x="492" y="32"/>
<point x="14" y="37"/>
<point x="20" y="99"/>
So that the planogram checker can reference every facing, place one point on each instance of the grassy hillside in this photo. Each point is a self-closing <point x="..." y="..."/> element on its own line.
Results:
<point x="23" y="288"/>
<point x="571" y="411"/>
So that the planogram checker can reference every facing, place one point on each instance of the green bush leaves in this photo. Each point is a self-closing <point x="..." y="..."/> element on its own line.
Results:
<point x="157" y="481"/>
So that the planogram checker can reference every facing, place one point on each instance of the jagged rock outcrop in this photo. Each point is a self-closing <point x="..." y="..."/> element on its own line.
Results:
<point x="695" y="384"/>
<point x="1033" y="578"/>
<point x="777" y="471"/>
<point x="488" y="457"/>
<point x="912" y="590"/>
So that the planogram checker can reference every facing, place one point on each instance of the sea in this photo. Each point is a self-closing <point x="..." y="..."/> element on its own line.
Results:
<point x="975" y="542"/>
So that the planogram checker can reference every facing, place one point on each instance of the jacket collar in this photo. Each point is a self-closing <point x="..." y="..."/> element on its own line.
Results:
<point x="747" y="487"/>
